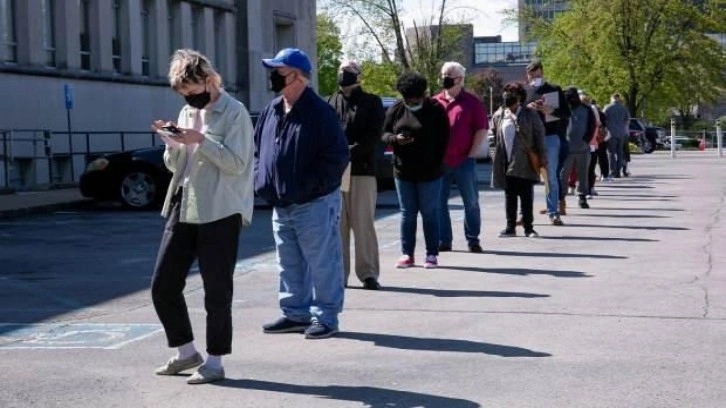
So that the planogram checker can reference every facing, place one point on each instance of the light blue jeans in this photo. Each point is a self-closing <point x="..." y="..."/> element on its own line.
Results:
<point x="415" y="197"/>
<point x="310" y="259"/>
<point x="552" y="144"/>
<point x="465" y="177"/>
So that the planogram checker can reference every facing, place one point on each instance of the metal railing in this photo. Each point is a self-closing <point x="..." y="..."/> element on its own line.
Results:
<point x="28" y="155"/>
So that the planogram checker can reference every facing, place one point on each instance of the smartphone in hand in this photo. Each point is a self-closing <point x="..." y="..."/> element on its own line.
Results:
<point x="170" y="131"/>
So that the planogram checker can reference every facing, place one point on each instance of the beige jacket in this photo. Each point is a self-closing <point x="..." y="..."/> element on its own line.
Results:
<point x="220" y="181"/>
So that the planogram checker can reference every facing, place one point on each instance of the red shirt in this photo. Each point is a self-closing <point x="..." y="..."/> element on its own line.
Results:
<point x="466" y="117"/>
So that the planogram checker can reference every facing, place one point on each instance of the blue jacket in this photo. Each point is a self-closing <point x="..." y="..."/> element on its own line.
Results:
<point x="301" y="155"/>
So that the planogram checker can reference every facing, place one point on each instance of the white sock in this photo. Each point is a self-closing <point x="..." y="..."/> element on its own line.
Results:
<point x="186" y="351"/>
<point x="214" y="362"/>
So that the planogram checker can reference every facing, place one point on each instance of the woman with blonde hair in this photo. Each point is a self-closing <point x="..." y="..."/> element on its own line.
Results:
<point x="210" y="197"/>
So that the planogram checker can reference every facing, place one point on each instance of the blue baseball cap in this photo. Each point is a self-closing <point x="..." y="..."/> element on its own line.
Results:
<point x="289" y="57"/>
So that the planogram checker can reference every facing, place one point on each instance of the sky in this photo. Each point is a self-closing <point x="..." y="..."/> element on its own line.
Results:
<point x="485" y="15"/>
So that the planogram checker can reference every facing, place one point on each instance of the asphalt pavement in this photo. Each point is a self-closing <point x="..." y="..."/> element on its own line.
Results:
<point x="622" y="307"/>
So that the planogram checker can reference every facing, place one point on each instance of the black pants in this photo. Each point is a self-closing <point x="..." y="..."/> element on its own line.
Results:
<point x="522" y="189"/>
<point x="214" y="245"/>
<point x="591" y="173"/>
<point x="602" y="159"/>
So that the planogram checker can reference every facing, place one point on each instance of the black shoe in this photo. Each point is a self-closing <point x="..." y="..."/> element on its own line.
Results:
<point x="626" y="173"/>
<point x="531" y="234"/>
<point x="285" y="325"/>
<point x="371" y="284"/>
<point x="583" y="203"/>
<point x="475" y="248"/>
<point x="444" y="248"/>
<point x="319" y="331"/>
<point x="507" y="233"/>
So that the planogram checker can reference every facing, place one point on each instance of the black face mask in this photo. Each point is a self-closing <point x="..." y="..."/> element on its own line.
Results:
<point x="510" y="99"/>
<point x="347" y="79"/>
<point x="277" y="81"/>
<point x="447" y="83"/>
<point x="200" y="100"/>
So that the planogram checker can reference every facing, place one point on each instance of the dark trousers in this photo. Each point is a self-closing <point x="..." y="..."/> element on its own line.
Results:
<point x="522" y="189"/>
<point x="564" y="152"/>
<point x="591" y="173"/>
<point x="602" y="159"/>
<point x="214" y="245"/>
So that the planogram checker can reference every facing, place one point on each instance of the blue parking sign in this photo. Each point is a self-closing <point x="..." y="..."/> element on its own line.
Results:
<point x="68" y="93"/>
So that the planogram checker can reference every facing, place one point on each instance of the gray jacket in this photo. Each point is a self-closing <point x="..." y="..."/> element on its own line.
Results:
<point x="580" y="129"/>
<point x="531" y="131"/>
<point x="618" y="119"/>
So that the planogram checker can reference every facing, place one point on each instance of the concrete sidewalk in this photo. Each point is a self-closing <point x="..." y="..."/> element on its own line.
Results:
<point x="36" y="202"/>
<point x="624" y="306"/>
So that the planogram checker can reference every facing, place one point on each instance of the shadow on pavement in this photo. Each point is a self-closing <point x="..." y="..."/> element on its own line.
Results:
<point x="638" y="195"/>
<point x="574" y="238"/>
<point x="447" y="293"/>
<point x="640" y="209"/>
<point x="620" y="215"/>
<point x="441" y="345"/>
<point x="372" y="397"/>
<point x="633" y="227"/>
<point x="628" y="186"/>
<point x="553" y="255"/>
<point x="519" y="271"/>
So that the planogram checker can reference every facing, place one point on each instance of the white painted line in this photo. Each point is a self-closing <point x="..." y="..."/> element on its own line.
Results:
<point x="129" y="341"/>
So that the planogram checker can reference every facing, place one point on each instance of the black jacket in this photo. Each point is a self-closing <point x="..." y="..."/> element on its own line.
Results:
<point x="423" y="159"/>
<point x="557" y="127"/>
<point x="361" y="116"/>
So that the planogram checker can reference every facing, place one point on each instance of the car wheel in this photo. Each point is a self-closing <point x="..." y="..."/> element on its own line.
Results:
<point x="648" y="146"/>
<point x="139" y="189"/>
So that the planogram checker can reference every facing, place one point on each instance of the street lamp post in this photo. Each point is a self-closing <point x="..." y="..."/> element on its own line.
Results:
<point x="491" y="101"/>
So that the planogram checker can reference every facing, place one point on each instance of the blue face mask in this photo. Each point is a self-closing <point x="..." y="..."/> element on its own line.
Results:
<point x="414" y="108"/>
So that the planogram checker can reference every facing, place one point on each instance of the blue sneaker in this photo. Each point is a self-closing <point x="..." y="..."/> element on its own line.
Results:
<point x="319" y="331"/>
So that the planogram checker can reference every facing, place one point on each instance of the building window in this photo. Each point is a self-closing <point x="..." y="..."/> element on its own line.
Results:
<point x="8" y="30"/>
<point x="173" y="13"/>
<point x="146" y="37"/>
<point x="284" y="31"/>
<point x="220" y="41"/>
<point x="48" y="7"/>
<point x="116" y="35"/>
<point x="85" y="31"/>
<point x="505" y="53"/>
<point x="197" y="26"/>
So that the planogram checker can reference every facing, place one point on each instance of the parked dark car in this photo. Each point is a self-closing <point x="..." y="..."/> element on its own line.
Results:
<point x="135" y="178"/>
<point x="648" y="138"/>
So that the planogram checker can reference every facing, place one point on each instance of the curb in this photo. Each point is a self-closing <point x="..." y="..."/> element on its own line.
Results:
<point x="44" y="209"/>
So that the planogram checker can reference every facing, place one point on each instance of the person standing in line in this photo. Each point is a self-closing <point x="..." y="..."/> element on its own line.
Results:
<point x="418" y="129"/>
<point x="549" y="101"/>
<point x="468" y="125"/>
<point x="518" y="131"/>
<point x="618" y="119"/>
<point x="361" y="116"/>
<point x="300" y="156"/>
<point x="579" y="133"/>
<point x="210" y="197"/>
<point x="595" y="142"/>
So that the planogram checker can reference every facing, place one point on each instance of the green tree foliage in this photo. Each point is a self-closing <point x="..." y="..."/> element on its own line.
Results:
<point x="654" y="52"/>
<point x="379" y="78"/>
<point x="330" y="50"/>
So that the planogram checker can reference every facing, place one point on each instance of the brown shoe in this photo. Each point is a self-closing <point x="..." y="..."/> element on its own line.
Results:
<point x="556" y="221"/>
<point x="543" y="211"/>
<point x="563" y="207"/>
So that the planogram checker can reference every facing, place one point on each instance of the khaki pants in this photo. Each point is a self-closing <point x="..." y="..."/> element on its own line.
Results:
<point x="358" y="214"/>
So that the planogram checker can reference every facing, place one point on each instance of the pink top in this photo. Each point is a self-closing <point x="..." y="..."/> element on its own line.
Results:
<point x="466" y="117"/>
